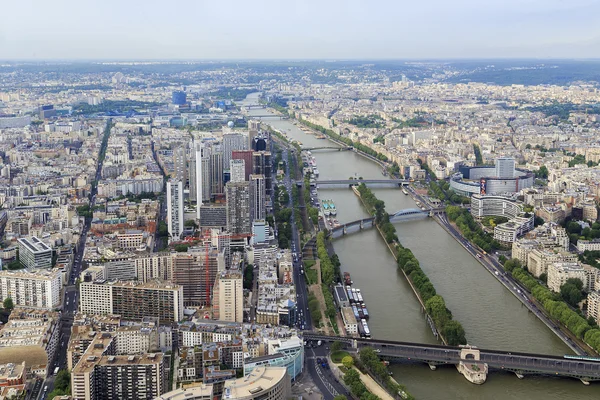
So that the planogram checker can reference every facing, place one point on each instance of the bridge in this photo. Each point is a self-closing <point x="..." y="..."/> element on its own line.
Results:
<point x="329" y="148"/>
<point x="271" y="116"/>
<point x="520" y="364"/>
<point x="332" y="184"/>
<point x="408" y="214"/>
<point x="255" y="107"/>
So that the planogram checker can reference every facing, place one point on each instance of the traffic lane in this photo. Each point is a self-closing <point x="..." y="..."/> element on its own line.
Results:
<point x="326" y="374"/>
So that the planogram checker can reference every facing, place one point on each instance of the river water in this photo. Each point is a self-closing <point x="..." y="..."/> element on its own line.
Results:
<point x="492" y="317"/>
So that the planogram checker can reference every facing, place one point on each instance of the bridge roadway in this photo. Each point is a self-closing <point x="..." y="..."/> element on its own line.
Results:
<point x="368" y="182"/>
<point x="328" y="148"/>
<point x="367" y="223"/>
<point x="434" y="355"/>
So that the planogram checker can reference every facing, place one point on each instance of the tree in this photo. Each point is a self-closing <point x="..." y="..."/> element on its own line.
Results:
<point x="454" y="333"/>
<point x="163" y="229"/>
<point x="181" y="248"/>
<point x="336" y="346"/>
<point x="348" y="362"/>
<point x="571" y="291"/>
<point x="190" y="223"/>
<point x="8" y="304"/>
<point x="573" y="227"/>
<point x="512" y="264"/>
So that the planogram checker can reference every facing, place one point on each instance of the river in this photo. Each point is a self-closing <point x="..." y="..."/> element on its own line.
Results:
<point x="492" y="317"/>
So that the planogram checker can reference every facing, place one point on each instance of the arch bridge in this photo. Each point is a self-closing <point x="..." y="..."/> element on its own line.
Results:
<point x="408" y="214"/>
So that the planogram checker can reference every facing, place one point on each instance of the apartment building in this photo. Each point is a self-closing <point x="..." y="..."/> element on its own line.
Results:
<point x="103" y="375"/>
<point x="38" y="288"/>
<point x="131" y="240"/>
<point x="228" y="297"/>
<point x="133" y="300"/>
<point x="593" y="305"/>
<point x="559" y="273"/>
<point x="31" y="336"/>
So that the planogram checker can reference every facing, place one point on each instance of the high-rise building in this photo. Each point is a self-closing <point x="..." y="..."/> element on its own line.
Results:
<point x="38" y="288"/>
<point x="180" y="164"/>
<point x="175" y="218"/>
<point x="259" y="144"/>
<point x="33" y="253"/>
<point x="216" y="173"/>
<point x="253" y="128"/>
<point x="133" y="300"/>
<point x="231" y="142"/>
<point x="237" y="170"/>
<point x="179" y="97"/>
<point x="100" y="374"/>
<point x="228" y="297"/>
<point x="505" y="167"/>
<point x="245" y="155"/>
<point x="238" y="208"/>
<point x="262" y="165"/>
<point x="258" y="197"/>
<point x="196" y="273"/>
<point x="213" y="216"/>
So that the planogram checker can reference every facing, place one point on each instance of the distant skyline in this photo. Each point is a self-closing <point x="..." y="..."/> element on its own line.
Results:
<point x="307" y="29"/>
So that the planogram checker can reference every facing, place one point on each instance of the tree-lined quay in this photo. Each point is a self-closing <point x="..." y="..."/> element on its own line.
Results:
<point x="451" y="331"/>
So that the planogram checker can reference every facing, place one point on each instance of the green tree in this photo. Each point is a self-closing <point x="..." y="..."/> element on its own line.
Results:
<point x="181" y="248"/>
<point x="348" y="362"/>
<point x="8" y="304"/>
<point x="454" y="333"/>
<point x="512" y="264"/>
<point x="336" y="346"/>
<point x="190" y="223"/>
<point x="573" y="227"/>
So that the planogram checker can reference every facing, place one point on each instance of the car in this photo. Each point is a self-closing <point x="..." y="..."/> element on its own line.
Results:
<point x="318" y="360"/>
<point x="378" y="350"/>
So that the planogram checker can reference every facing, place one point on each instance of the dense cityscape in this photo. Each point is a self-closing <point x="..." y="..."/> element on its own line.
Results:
<point x="320" y="230"/>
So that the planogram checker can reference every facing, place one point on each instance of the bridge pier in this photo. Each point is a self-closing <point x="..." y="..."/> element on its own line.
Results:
<point x="345" y="232"/>
<point x="520" y="376"/>
<point x="361" y="224"/>
<point x="470" y="365"/>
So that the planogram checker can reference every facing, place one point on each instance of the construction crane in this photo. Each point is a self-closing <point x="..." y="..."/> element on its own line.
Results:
<point x="206" y="237"/>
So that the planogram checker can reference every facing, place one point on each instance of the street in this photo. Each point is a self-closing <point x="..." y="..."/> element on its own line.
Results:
<point x="71" y="296"/>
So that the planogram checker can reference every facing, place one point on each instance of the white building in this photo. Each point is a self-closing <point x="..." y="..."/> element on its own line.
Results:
<point x="33" y="253"/>
<point x="228" y="301"/>
<point x="237" y="170"/>
<point x="593" y="304"/>
<point x="38" y="288"/>
<point x="588" y="245"/>
<point x="505" y="167"/>
<point x="175" y="218"/>
<point x="559" y="273"/>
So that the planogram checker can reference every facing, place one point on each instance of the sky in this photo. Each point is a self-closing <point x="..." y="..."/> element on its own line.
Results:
<point x="298" y="29"/>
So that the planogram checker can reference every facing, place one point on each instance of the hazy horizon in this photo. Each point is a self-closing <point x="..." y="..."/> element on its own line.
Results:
<point x="66" y="30"/>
